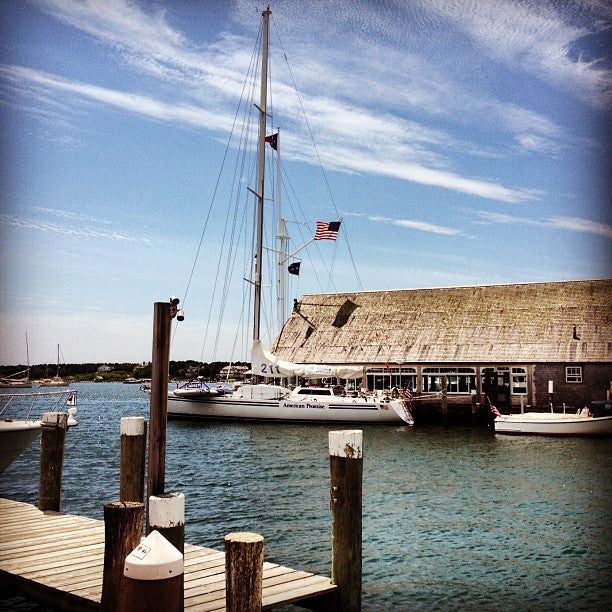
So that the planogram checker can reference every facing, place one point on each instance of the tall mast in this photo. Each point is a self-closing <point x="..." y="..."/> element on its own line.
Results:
<point x="282" y="239"/>
<point x="261" y="152"/>
<point x="28" y="356"/>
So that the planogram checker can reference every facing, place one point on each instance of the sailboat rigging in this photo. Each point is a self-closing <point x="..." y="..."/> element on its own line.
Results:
<point x="263" y="402"/>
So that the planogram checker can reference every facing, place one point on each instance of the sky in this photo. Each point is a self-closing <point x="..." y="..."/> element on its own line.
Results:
<point x="461" y="142"/>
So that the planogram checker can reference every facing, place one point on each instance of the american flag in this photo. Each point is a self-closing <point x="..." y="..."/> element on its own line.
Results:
<point x="406" y="394"/>
<point x="492" y="408"/>
<point x="327" y="231"/>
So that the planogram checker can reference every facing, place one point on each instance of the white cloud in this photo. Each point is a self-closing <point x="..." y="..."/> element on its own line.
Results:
<point x="573" y="224"/>
<point x="360" y="136"/>
<point x="420" y="226"/>
<point x="70" y="229"/>
<point x="538" y="37"/>
<point x="389" y="78"/>
<point x="576" y="224"/>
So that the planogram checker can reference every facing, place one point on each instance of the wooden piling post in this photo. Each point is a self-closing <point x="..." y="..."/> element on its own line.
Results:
<point x="153" y="574"/>
<point x="244" y="555"/>
<point x="346" y="471"/>
<point x="52" y="439"/>
<point x="133" y="452"/>
<point x="162" y="324"/>
<point x="444" y="384"/>
<point x="167" y="517"/>
<point x="122" y="532"/>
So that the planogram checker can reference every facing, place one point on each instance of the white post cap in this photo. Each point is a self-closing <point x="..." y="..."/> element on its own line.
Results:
<point x="59" y="420"/>
<point x="132" y="426"/>
<point x="153" y="559"/>
<point x="166" y="510"/>
<point x="347" y="444"/>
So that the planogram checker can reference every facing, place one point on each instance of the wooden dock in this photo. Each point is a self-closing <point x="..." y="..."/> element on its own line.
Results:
<point x="57" y="560"/>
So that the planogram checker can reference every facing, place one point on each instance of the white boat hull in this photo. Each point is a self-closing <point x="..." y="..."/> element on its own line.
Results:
<point x="228" y="408"/>
<point x="553" y="424"/>
<point x="15" y="436"/>
<point x="20" y="415"/>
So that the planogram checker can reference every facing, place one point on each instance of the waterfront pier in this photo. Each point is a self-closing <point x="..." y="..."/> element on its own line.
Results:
<point x="57" y="560"/>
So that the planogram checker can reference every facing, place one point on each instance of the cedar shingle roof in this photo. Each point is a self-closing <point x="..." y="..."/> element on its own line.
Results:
<point x="526" y="323"/>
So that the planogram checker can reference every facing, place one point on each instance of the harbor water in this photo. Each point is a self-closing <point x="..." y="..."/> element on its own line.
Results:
<point x="453" y="518"/>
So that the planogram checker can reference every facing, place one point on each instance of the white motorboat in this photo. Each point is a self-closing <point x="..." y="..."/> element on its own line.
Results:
<point x="268" y="402"/>
<point x="596" y="421"/>
<point x="20" y="419"/>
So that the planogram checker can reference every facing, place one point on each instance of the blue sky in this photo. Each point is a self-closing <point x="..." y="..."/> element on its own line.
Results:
<point x="463" y="143"/>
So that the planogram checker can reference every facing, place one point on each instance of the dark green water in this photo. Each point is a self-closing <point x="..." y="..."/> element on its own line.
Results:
<point x="453" y="518"/>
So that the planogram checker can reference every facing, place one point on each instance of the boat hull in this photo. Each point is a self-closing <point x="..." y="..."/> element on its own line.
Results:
<point x="241" y="409"/>
<point x="53" y="382"/>
<point x="553" y="424"/>
<point x="7" y="384"/>
<point x="15" y="436"/>
<point x="21" y="415"/>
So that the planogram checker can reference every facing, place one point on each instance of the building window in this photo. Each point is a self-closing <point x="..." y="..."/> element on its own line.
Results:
<point x="496" y="384"/>
<point x="573" y="374"/>
<point x="519" y="381"/>
<point x="383" y="378"/>
<point x="458" y="380"/>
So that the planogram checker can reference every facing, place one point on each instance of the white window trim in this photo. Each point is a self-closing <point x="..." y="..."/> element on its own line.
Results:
<point x="575" y="376"/>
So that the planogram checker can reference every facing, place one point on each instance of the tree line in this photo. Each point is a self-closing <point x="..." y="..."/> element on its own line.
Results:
<point x="118" y="371"/>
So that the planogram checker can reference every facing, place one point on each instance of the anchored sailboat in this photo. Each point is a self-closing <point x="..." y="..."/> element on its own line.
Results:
<point x="262" y="402"/>
<point x="57" y="380"/>
<point x="16" y="380"/>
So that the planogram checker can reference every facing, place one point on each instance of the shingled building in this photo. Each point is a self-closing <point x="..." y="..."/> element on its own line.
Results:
<point x="518" y="344"/>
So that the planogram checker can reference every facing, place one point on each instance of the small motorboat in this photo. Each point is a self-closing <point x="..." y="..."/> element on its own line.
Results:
<point x="595" y="420"/>
<point x="200" y="388"/>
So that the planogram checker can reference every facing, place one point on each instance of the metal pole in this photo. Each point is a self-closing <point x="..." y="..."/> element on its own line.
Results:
<point x="261" y="175"/>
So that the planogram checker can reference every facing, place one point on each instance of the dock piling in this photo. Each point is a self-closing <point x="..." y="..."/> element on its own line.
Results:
<point x="163" y="313"/>
<point x="153" y="574"/>
<point x="346" y="471"/>
<point x="133" y="451"/>
<point x="52" y="439"/>
<point x="244" y="556"/>
<point x="167" y="517"/>
<point x="122" y="532"/>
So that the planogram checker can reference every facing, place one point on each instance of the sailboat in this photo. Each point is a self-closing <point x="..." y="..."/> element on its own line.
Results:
<point x="12" y="381"/>
<point x="265" y="402"/>
<point x="56" y="381"/>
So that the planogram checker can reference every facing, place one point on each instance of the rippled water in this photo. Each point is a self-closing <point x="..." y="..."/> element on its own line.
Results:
<point x="453" y="518"/>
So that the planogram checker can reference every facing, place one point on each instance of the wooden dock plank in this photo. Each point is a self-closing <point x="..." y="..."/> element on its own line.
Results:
<point x="22" y="548"/>
<point x="57" y="560"/>
<point x="60" y="568"/>
<point x="44" y="556"/>
<point x="58" y="564"/>
<point x="299" y="591"/>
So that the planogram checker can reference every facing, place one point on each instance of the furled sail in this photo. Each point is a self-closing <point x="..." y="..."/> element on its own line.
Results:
<point x="264" y="363"/>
